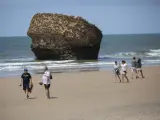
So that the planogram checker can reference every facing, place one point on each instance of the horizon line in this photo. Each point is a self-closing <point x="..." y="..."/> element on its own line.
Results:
<point x="103" y="34"/>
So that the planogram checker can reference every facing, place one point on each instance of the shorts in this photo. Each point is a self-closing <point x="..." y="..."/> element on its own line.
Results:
<point x="117" y="72"/>
<point x="133" y="69"/>
<point x="123" y="72"/>
<point x="46" y="86"/>
<point x="26" y="86"/>
<point x="139" y="69"/>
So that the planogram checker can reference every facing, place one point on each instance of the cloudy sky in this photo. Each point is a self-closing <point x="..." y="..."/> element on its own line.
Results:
<point x="111" y="16"/>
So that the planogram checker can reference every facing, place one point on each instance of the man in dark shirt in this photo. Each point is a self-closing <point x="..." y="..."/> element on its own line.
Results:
<point x="26" y="80"/>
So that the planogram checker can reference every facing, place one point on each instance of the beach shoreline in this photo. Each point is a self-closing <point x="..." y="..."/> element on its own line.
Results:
<point x="84" y="95"/>
<point x="20" y="56"/>
<point x="64" y="70"/>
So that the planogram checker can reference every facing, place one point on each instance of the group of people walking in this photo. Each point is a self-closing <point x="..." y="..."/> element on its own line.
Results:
<point x="121" y="69"/>
<point x="26" y="81"/>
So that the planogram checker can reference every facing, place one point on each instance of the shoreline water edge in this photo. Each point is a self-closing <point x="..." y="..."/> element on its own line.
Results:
<point x="16" y="55"/>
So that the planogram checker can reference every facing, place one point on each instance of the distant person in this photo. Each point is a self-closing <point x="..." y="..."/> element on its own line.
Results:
<point x="134" y="69"/>
<point x="139" y="67"/>
<point x="124" y="70"/>
<point x="116" y="71"/>
<point x="26" y="80"/>
<point x="46" y="81"/>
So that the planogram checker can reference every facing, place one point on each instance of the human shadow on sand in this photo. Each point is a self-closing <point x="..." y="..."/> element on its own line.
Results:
<point x="53" y="97"/>
<point x="32" y="98"/>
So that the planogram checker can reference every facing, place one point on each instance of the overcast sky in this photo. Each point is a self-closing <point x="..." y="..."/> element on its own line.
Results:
<point x="111" y="16"/>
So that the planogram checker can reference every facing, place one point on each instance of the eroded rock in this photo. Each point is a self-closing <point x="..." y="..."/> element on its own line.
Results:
<point x="61" y="37"/>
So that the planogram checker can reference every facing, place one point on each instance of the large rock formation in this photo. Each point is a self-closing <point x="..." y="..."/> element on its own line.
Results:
<point x="60" y="37"/>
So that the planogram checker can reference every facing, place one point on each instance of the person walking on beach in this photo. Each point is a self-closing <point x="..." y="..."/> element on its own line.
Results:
<point x="116" y="71"/>
<point x="139" y="67"/>
<point x="46" y="81"/>
<point x="133" y="68"/>
<point x="26" y="80"/>
<point x="124" y="71"/>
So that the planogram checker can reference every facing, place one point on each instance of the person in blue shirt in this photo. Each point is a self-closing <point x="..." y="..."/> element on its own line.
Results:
<point x="26" y="80"/>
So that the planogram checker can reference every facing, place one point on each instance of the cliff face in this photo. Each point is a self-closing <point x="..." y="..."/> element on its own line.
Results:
<point x="60" y="37"/>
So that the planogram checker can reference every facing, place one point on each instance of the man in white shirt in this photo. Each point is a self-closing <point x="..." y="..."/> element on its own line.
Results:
<point x="46" y="80"/>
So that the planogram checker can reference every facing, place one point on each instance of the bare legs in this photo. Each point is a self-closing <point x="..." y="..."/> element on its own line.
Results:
<point x="134" y="72"/>
<point x="117" y="76"/>
<point x="141" y="72"/>
<point x="27" y="93"/>
<point x="47" y="90"/>
<point x="124" y="76"/>
<point x="47" y="93"/>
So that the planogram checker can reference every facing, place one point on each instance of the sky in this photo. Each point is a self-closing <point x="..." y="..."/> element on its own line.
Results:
<point x="111" y="16"/>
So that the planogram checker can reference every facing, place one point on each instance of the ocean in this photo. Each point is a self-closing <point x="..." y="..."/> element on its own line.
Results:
<point x="15" y="54"/>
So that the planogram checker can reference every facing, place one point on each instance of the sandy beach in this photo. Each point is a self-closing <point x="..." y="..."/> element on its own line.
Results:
<point x="84" y="96"/>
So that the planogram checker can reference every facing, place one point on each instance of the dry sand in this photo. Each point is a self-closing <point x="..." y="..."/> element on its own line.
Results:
<point x="84" y="96"/>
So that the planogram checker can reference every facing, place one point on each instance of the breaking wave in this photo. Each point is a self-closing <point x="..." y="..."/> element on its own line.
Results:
<point x="146" y="53"/>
